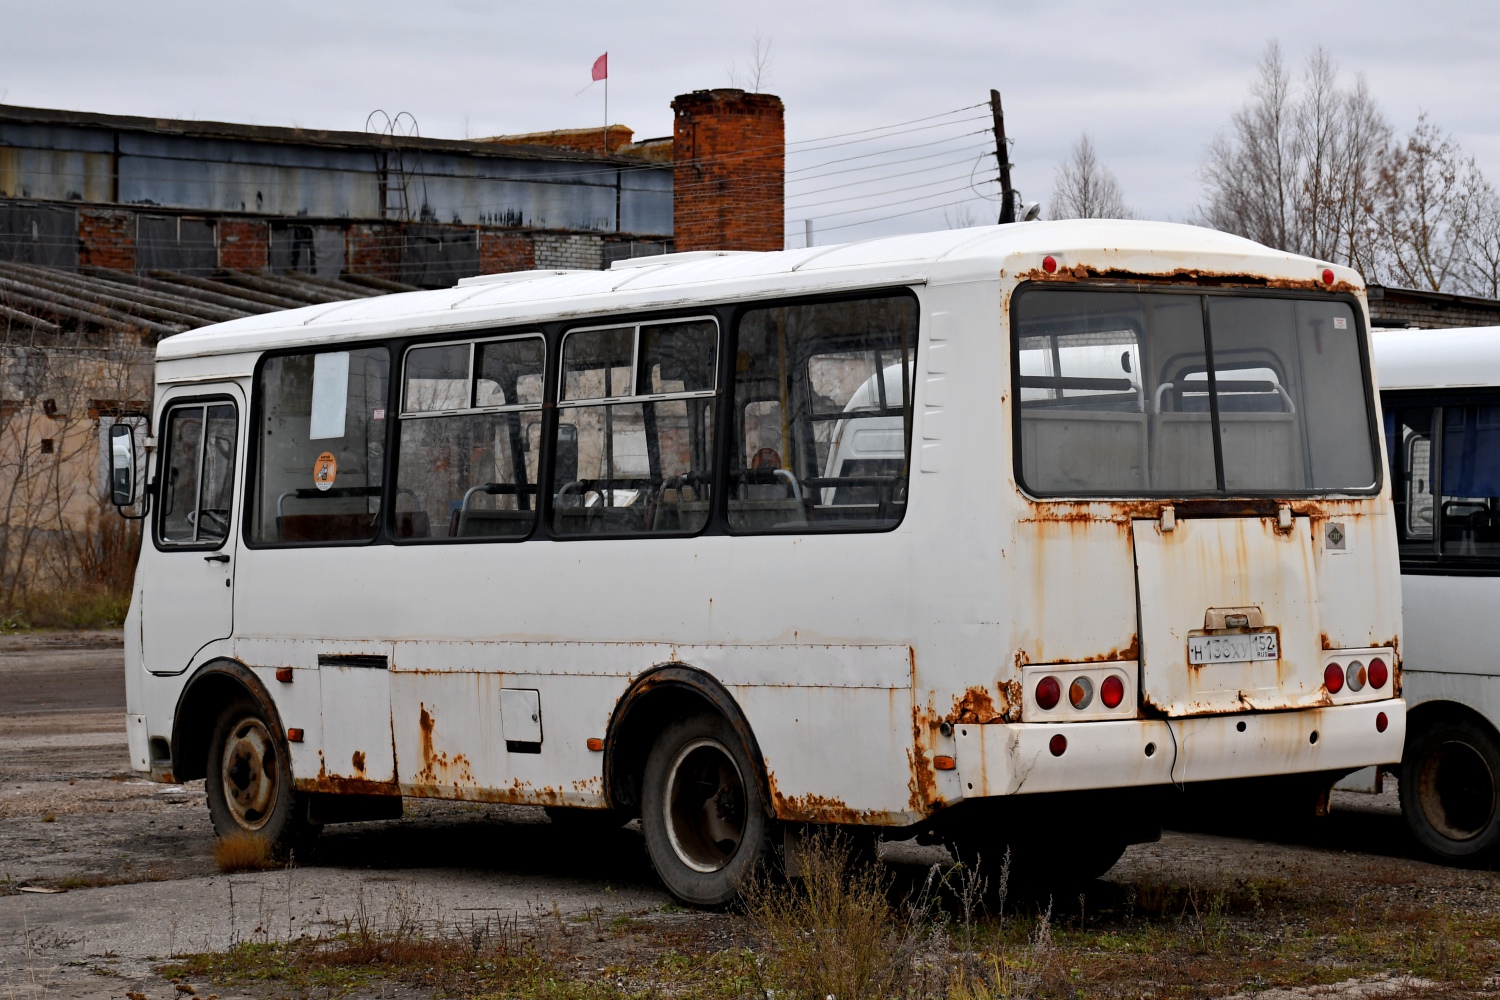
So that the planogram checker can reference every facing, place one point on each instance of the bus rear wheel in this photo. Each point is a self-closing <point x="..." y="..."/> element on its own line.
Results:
<point x="1450" y="789"/>
<point x="249" y="781"/>
<point x="703" y="813"/>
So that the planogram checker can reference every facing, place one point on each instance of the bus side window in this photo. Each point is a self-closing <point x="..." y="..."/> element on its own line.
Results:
<point x="198" y="475"/>
<point x="471" y="415"/>
<point x="320" y="447"/>
<point x="1470" y="481"/>
<point x="635" y="429"/>
<point x="824" y="408"/>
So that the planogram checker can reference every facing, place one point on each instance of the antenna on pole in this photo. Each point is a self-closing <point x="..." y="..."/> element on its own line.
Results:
<point x="1002" y="157"/>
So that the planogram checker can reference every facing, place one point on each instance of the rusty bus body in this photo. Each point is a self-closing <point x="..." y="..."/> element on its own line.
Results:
<point x="881" y="677"/>
<point x="1440" y="391"/>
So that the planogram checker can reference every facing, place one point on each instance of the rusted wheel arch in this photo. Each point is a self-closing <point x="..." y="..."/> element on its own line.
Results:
<point x="658" y="696"/>
<point x="212" y="686"/>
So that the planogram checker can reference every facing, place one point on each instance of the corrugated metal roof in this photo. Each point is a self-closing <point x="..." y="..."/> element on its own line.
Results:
<point x="160" y="303"/>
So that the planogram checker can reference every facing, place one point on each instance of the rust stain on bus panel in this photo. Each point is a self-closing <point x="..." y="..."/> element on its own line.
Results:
<point x="358" y="760"/>
<point x="1189" y="276"/>
<point x="437" y="767"/>
<point x="338" y="785"/>
<point x="813" y="808"/>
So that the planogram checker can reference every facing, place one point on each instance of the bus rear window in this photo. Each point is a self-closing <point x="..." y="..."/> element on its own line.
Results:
<point x="1124" y="393"/>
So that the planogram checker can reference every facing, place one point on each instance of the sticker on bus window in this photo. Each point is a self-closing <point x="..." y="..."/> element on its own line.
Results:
<point x="1340" y="323"/>
<point x="330" y="395"/>
<point x="325" y="470"/>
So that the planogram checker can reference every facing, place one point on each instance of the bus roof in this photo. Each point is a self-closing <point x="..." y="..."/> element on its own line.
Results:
<point x="1430" y="359"/>
<point x="675" y="281"/>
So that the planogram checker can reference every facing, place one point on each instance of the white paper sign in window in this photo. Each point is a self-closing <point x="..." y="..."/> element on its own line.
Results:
<point x="330" y="395"/>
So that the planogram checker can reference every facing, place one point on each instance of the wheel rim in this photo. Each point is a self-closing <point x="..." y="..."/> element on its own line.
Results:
<point x="1457" y="790"/>
<point x="704" y="805"/>
<point x="250" y="773"/>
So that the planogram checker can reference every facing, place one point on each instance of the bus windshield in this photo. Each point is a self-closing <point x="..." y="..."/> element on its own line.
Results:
<point x="1125" y="393"/>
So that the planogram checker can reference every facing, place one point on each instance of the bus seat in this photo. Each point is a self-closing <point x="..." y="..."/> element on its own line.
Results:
<point x="1067" y="448"/>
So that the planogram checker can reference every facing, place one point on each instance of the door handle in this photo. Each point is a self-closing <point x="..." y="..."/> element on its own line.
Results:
<point x="218" y="557"/>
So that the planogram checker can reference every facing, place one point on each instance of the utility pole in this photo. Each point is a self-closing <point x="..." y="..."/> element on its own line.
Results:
<point x="1007" y="194"/>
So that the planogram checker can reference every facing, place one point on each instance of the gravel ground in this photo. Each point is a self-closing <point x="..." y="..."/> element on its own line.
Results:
<point x="135" y="858"/>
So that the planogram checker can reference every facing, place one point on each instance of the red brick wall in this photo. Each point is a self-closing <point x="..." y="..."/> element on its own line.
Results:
<point x="244" y="245"/>
<point x="730" y="175"/>
<point x="500" y="252"/>
<point x="375" y="250"/>
<point x="106" y="239"/>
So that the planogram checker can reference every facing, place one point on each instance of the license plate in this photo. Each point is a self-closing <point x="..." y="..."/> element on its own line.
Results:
<point x="1238" y="648"/>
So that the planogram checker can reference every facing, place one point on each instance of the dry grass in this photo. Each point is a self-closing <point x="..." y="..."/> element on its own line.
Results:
<point x="850" y="928"/>
<point x="244" y="852"/>
<point x="836" y="931"/>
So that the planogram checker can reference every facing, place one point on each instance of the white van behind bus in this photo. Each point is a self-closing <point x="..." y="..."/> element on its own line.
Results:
<point x="1440" y="391"/>
<point x="987" y="535"/>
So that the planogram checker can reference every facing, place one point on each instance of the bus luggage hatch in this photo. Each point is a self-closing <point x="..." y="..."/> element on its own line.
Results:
<point x="1228" y="615"/>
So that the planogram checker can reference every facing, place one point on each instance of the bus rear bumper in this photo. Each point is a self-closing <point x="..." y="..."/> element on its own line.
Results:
<point x="1020" y="758"/>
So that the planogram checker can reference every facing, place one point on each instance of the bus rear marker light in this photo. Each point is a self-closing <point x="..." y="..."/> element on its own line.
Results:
<point x="595" y="744"/>
<point x="944" y="763"/>
<point x="1058" y="745"/>
<point x="1112" y="691"/>
<point x="1354" y="676"/>
<point x="1327" y="275"/>
<point x="1049" y="264"/>
<point x="1080" y="693"/>
<point x="1378" y="674"/>
<point x="1333" y="678"/>
<point x="1381" y="722"/>
<point x="1048" y="692"/>
<point x="294" y="736"/>
<point x="284" y="674"/>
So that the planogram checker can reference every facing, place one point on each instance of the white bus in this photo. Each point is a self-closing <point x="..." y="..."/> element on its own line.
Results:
<point x="1441" y="395"/>
<point x="976" y="535"/>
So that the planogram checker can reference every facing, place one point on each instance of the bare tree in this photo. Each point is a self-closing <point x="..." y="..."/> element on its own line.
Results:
<point x="1430" y="203"/>
<point x="960" y="217"/>
<point x="1085" y="189"/>
<point x="1483" y="271"/>
<point x="757" y="72"/>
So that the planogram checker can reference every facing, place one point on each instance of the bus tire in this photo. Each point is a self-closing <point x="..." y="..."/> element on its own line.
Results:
<point x="1450" y="789"/>
<point x="703" y="813"/>
<point x="249" y="781"/>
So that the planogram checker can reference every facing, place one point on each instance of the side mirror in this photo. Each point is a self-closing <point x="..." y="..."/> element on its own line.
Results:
<point x="122" y="465"/>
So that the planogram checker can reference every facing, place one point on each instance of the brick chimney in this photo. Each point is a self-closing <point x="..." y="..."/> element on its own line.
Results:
<point x="730" y="174"/>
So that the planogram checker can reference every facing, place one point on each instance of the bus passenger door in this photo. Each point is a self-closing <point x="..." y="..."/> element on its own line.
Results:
<point x="186" y="575"/>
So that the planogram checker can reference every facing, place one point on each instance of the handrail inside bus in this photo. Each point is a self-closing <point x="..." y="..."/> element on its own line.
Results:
<point x="1097" y="384"/>
<point x="312" y="493"/>
<point x="1233" y="385"/>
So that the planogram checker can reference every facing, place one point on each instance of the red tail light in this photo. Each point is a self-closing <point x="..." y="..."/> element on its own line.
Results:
<point x="1048" y="693"/>
<point x="1378" y="673"/>
<point x="1112" y="691"/>
<point x="1333" y="678"/>
<point x="1049" y="264"/>
<point x="1328" y="276"/>
<point x="1381" y="722"/>
<point x="1058" y="745"/>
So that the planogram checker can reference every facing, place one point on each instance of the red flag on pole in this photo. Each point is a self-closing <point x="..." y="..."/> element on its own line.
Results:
<point x="601" y="67"/>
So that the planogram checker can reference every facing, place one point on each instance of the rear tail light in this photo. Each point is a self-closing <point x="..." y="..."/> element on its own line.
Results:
<point x="1112" y="691"/>
<point x="1048" y="693"/>
<point x="1378" y="673"/>
<point x="1381" y="722"/>
<point x="1080" y="693"/>
<point x="1333" y="678"/>
<point x="1354" y="676"/>
<point x="1058" y="745"/>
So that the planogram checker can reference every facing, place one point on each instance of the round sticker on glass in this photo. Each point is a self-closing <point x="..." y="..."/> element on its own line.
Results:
<point x="325" y="470"/>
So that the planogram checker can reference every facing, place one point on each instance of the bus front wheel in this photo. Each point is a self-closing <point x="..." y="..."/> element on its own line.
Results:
<point x="703" y="813"/>
<point x="1450" y="789"/>
<point x="249" y="781"/>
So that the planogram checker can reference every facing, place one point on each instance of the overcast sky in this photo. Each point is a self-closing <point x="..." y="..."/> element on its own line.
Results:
<point x="1150" y="82"/>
